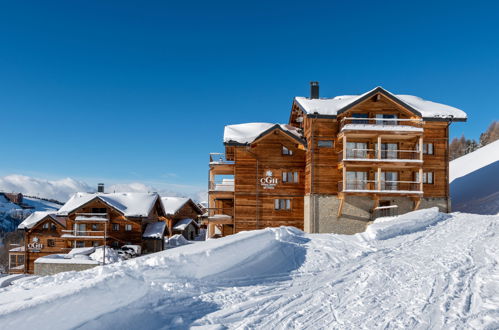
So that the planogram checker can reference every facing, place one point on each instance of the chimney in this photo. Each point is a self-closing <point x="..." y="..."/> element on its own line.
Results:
<point x="100" y="187"/>
<point x="314" y="89"/>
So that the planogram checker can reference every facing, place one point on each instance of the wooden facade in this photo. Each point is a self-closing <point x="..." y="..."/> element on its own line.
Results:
<point x="377" y="149"/>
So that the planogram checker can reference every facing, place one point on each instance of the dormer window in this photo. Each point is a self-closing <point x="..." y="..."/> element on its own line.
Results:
<point x="46" y="225"/>
<point x="286" y="151"/>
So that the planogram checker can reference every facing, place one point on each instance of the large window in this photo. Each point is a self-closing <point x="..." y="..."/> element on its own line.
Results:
<point x="388" y="119"/>
<point x="128" y="227"/>
<point x="99" y="210"/>
<point x="290" y="177"/>
<point x="388" y="150"/>
<point x="356" y="180"/>
<point x="428" y="177"/>
<point x="356" y="150"/>
<point x="428" y="148"/>
<point x="282" y="204"/>
<point x="363" y="118"/>
<point x="389" y="180"/>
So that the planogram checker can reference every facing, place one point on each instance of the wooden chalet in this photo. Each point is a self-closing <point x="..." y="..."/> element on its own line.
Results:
<point x="338" y="164"/>
<point x="42" y="237"/>
<point x="182" y="216"/>
<point x="90" y="220"/>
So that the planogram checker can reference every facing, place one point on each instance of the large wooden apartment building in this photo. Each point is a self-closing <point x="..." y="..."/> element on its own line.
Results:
<point x="338" y="164"/>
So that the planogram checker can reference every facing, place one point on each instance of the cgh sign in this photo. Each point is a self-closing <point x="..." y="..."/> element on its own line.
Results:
<point x="269" y="182"/>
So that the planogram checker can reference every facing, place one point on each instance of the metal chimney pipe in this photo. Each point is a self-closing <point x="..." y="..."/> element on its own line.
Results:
<point x="100" y="187"/>
<point x="314" y="89"/>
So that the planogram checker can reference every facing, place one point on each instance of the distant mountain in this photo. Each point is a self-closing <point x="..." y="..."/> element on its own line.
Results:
<point x="12" y="214"/>
<point x="474" y="181"/>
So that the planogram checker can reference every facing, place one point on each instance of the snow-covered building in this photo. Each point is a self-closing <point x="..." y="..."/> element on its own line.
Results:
<point x="182" y="215"/>
<point x="94" y="219"/>
<point x="338" y="164"/>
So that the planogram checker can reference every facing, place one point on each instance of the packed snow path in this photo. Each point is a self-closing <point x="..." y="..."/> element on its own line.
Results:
<point x="442" y="273"/>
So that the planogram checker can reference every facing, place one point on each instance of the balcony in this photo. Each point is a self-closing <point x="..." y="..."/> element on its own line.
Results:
<point x="92" y="217"/>
<point x="381" y="124"/>
<point x="226" y="185"/>
<point x="219" y="158"/>
<point x="83" y="234"/>
<point x="380" y="187"/>
<point x="373" y="155"/>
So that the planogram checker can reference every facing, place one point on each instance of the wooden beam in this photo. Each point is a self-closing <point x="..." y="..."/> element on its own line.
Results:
<point x="417" y="203"/>
<point x="378" y="183"/>
<point x="420" y="148"/>
<point x="376" y="202"/>
<point x="340" y="208"/>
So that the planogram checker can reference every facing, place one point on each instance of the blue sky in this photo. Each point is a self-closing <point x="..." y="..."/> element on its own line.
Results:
<point x="140" y="91"/>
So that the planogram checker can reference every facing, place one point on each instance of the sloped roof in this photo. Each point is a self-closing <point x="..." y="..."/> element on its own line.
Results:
<point x="337" y="105"/>
<point x="182" y="224"/>
<point x="154" y="230"/>
<point x="37" y="217"/>
<point x="249" y="132"/>
<point x="129" y="204"/>
<point x="173" y="204"/>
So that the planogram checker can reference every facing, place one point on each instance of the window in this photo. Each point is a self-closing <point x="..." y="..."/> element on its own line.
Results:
<point x="53" y="227"/>
<point x="360" y="115"/>
<point x="389" y="180"/>
<point x="357" y="150"/>
<point x="115" y="244"/>
<point x="428" y="148"/>
<point x="428" y="177"/>
<point x="50" y="243"/>
<point x="128" y="227"/>
<point x="98" y="210"/>
<point x="356" y="180"/>
<point x="79" y="244"/>
<point x="290" y="177"/>
<point x="46" y="225"/>
<point x="325" y="143"/>
<point x="116" y="227"/>
<point x="16" y="260"/>
<point x="95" y="244"/>
<point x="286" y="151"/>
<point x="388" y="150"/>
<point x="282" y="204"/>
<point x="95" y="227"/>
<point x="81" y="229"/>
<point x="390" y="121"/>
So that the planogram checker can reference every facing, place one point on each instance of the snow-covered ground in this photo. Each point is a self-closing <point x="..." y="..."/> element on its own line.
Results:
<point x="474" y="181"/>
<point x="421" y="270"/>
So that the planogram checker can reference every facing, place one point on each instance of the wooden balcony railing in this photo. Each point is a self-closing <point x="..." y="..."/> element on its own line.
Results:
<point x="381" y="122"/>
<point x="219" y="158"/>
<point x="379" y="186"/>
<point x="222" y="185"/>
<point x="374" y="155"/>
<point x="80" y="233"/>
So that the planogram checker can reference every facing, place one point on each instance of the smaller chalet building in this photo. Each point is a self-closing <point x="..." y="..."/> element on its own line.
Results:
<point x="182" y="216"/>
<point x="90" y="220"/>
<point x="336" y="165"/>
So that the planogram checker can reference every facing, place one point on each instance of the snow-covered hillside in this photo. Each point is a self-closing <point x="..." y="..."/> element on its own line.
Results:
<point x="474" y="181"/>
<point x="12" y="214"/>
<point x="421" y="270"/>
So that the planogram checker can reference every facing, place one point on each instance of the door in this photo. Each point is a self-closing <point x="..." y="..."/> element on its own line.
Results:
<point x="356" y="180"/>
<point x="356" y="150"/>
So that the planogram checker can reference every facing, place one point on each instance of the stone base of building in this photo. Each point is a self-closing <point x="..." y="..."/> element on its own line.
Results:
<point x="43" y="269"/>
<point x="321" y="212"/>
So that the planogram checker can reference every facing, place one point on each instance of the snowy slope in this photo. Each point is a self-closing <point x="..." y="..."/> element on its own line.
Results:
<point x="12" y="214"/>
<point x="474" y="181"/>
<point x="427" y="270"/>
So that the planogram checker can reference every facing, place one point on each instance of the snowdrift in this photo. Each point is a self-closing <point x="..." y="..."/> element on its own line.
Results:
<point x="474" y="181"/>
<point x="420" y="270"/>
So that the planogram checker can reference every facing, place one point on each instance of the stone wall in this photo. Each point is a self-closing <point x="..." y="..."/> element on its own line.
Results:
<point x="356" y="213"/>
<point x="51" y="269"/>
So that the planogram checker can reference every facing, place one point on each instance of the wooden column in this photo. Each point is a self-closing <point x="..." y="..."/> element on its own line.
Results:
<point x="344" y="178"/>
<point x="378" y="183"/>
<point x="420" y="148"/>
<point x="420" y="179"/>
<point x="344" y="146"/>
<point x="379" y="147"/>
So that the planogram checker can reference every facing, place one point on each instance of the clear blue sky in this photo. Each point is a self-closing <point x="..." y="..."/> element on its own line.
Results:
<point x="140" y="91"/>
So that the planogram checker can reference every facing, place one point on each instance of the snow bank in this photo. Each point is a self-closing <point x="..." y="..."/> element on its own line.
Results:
<point x="386" y="228"/>
<point x="474" y="181"/>
<point x="176" y="240"/>
<point x="111" y="255"/>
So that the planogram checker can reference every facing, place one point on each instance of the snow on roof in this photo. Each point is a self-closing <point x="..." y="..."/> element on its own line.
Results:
<point x="36" y="217"/>
<point x="249" y="132"/>
<point x="63" y="259"/>
<point x="154" y="230"/>
<point x="173" y="204"/>
<point x="182" y="224"/>
<point x="332" y="106"/>
<point x="130" y="204"/>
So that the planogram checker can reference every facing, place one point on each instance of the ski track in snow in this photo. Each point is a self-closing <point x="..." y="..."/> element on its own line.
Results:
<point x="443" y="276"/>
